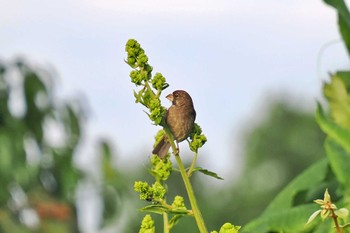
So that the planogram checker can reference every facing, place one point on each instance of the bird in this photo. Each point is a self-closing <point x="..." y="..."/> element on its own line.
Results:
<point x="179" y="118"/>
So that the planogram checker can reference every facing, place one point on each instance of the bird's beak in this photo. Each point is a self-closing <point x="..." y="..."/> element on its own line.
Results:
<point x="170" y="97"/>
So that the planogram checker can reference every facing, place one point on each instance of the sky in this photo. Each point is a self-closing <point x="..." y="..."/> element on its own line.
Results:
<point x="232" y="56"/>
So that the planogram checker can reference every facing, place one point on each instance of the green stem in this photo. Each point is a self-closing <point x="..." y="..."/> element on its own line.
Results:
<point x="196" y="212"/>
<point x="166" y="223"/>
<point x="193" y="164"/>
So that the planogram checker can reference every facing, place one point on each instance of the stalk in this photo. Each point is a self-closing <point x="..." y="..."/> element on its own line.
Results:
<point x="196" y="212"/>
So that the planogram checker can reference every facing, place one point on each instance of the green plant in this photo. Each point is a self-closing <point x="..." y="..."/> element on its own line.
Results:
<point x="290" y="209"/>
<point x="148" y="95"/>
<point x="330" y="210"/>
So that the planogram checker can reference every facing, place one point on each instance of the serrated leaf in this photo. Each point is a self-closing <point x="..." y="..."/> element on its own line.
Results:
<point x="208" y="173"/>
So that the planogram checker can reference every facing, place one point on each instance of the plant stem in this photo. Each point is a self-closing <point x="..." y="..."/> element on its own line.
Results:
<point x="193" y="164"/>
<point x="335" y="219"/>
<point x="166" y="223"/>
<point x="196" y="212"/>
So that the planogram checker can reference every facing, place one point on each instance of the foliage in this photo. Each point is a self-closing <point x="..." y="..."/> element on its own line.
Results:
<point x="37" y="145"/>
<point x="288" y="211"/>
<point x="330" y="210"/>
<point x="37" y="174"/>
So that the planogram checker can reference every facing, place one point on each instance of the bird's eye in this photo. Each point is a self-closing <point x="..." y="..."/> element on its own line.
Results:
<point x="176" y="94"/>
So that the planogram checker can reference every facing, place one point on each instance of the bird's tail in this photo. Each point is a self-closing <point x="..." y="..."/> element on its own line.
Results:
<point x="162" y="148"/>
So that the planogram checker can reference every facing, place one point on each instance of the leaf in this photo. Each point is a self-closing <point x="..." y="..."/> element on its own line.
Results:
<point x="208" y="173"/>
<point x="157" y="209"/>
<point x="342" y="213"/>
<point x="343" y="19"/>
<point x="313" y="216"/>
<point x="174" y="220"/>
<point x="338" y="97"/>
<point x="160" y="209"/>
<point x="311" y="177"/>
<point x="345" y="77"/>
<point x="284" y="220"/>
<point x="339" y="160"/>
<point x="339" y="134"/>
<point x="281" y="215"/>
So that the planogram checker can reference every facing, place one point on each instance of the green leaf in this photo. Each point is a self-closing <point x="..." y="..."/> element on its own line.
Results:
<point x="339" y="160"/>
<point x="284" y="220"/>
<point x="343" y="19"/>
<point x="313" y="216"/>
<point x="342" y="213"/>
<point x="339" y="134"/>
<point x="310" y="178"/>
<point x="281" y="215"/>
<point x="338" y="97"/>
<point x="208" y="173"/>
<point x="174" y="220"/>
<point x="345" y="77"/>
<point x="157" y="209"/>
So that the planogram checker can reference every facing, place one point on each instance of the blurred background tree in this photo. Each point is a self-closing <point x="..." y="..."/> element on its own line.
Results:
<point x="38" y="178"/>
<point x="39" y="136"/>
<point x="284" y="143"/>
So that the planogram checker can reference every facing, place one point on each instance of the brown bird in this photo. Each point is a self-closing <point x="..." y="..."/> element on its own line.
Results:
<point x="179" y="118"/>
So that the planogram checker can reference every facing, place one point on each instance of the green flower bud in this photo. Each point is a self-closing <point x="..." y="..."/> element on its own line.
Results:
<point x="161" y="168"/>
<point x="157" y="115"/>
<point x="146" y="192"/>
<point x="197" y="138"/>
<point x="131" y="43"/>
<point x="179" y="203"/>
<point x="142" y="59"/>
<point x="147" y="225"/>
<point x="131" y="61"/>
<point x="154" y="104"/>
<point x="198" y="142"/>
<point x="158" y="82"/>
<point x="148" y="68"/>
<point x="136" y="77"/>
<point x="157" y="138"/>
<point x="229" y="228"/>
<point x="158" y="191"/>
<point x="157" y="111"/>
